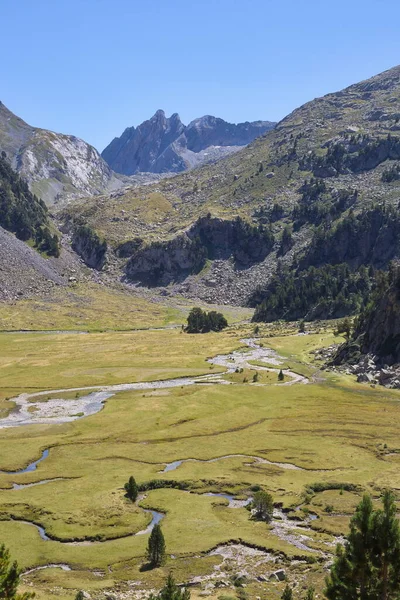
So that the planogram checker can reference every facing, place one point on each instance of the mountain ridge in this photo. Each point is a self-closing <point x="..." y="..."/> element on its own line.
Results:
<point x="314" y="174"/>
<point x="164" y="144"/>
<point x="53" y="164"/>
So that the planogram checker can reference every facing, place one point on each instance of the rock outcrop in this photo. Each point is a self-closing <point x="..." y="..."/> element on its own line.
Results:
<point x="53" y="164"/>
<point x="373" y="351"/>
<point x="87" y="243"/>
<point x="162" y="144"/>
<point x="161" y="263"/>
<point x="379" y="331"/>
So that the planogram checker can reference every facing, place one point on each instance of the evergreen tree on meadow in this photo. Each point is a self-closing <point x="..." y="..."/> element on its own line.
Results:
<point x="171" y="591"/>
<point x="263" y="506"/>
<point x="10" y="578"/>
<point x="310" y="593"/>
<point x="156" y="547"/>
<point x="131" y="489"/>
<point x="80" y="596"/>
<point x="368" y="566"/>
<point x="287" y="593"/>
<point x="281" y="376"/>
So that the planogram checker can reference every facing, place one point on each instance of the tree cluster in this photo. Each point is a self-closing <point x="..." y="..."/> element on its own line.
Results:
<point x="22" y="213"/>
<point x="200" y="321"/>
<point x="352" y="155"/>
<point x="319" y="205"/>
<point x="370" y="237"/>
<point x="318" y="293"/>
<point x="391" y="174"/>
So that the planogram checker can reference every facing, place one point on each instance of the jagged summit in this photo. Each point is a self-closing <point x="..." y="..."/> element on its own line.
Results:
<point x="164" y="144"/>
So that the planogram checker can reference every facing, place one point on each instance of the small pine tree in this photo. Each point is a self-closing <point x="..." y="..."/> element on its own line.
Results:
<point x="281" y="376"/>
<point x="131" y="489"/>
<point x="310" y="594"/>
<point x="255" y="377"/>
<point x="263" y="506"/>
<point x="344" y="327"/>
<point x="171" y="591"/>
<point x="80" y="596"/>
<point x="9" y="578"/>
<point x="156" y="547"/>
<point x="287" y="593"/>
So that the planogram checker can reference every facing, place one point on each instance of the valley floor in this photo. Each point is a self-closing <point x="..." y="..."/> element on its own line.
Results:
<point x="314" y="447"/>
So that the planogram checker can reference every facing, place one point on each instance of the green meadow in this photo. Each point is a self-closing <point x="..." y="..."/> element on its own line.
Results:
<point x="334" y="437"/>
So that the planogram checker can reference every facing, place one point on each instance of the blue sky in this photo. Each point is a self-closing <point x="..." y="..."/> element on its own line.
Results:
<point x="93" y="67"/>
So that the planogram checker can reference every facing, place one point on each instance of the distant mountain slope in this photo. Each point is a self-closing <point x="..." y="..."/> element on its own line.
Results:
<point x="162" y="144"/>
<point x="53" y="164"/>
<point x="32" y="259"/>
<point x="22" y="213"/>
<point x="326" y="180"/>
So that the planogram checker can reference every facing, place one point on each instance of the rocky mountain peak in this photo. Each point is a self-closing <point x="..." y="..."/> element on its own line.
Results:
<point x="164" y="144"/>
<point x="53" y="164"/>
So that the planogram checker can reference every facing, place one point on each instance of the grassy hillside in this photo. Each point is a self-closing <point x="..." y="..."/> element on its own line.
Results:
<point x="271" y="169"/>
<point x="325" y="183"/>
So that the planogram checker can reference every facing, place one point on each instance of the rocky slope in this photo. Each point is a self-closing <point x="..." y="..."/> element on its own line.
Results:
<point x="372" y="349"/>
<point x="25" y="273"/>
<point x="162" y="144"/>
<point x="328" y="172"/>
<point x="53" y="164"/>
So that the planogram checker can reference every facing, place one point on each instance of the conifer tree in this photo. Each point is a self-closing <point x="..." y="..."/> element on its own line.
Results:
<point x="310" y="593"/>
<point x="263" y="506"/>
<point x="171" y="591"/>
<point x="131" y="489"/>
<point x="156" y="547"/>
<point x="10" y="577"/>
<point x="368" y="566"/>
<point x="281" y="376"/>
<point x="287" y="593"/>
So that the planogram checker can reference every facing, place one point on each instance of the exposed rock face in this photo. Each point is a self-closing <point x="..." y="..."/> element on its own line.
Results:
<point x="163" y="144"/>
<point x="161" y="263"/>
<point x="53" y="164"/>
<point x="379" y="334"/>
<point x="89" y="246"/>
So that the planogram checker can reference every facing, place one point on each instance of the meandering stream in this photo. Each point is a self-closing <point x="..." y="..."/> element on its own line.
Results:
<point x="59" y="410"/>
